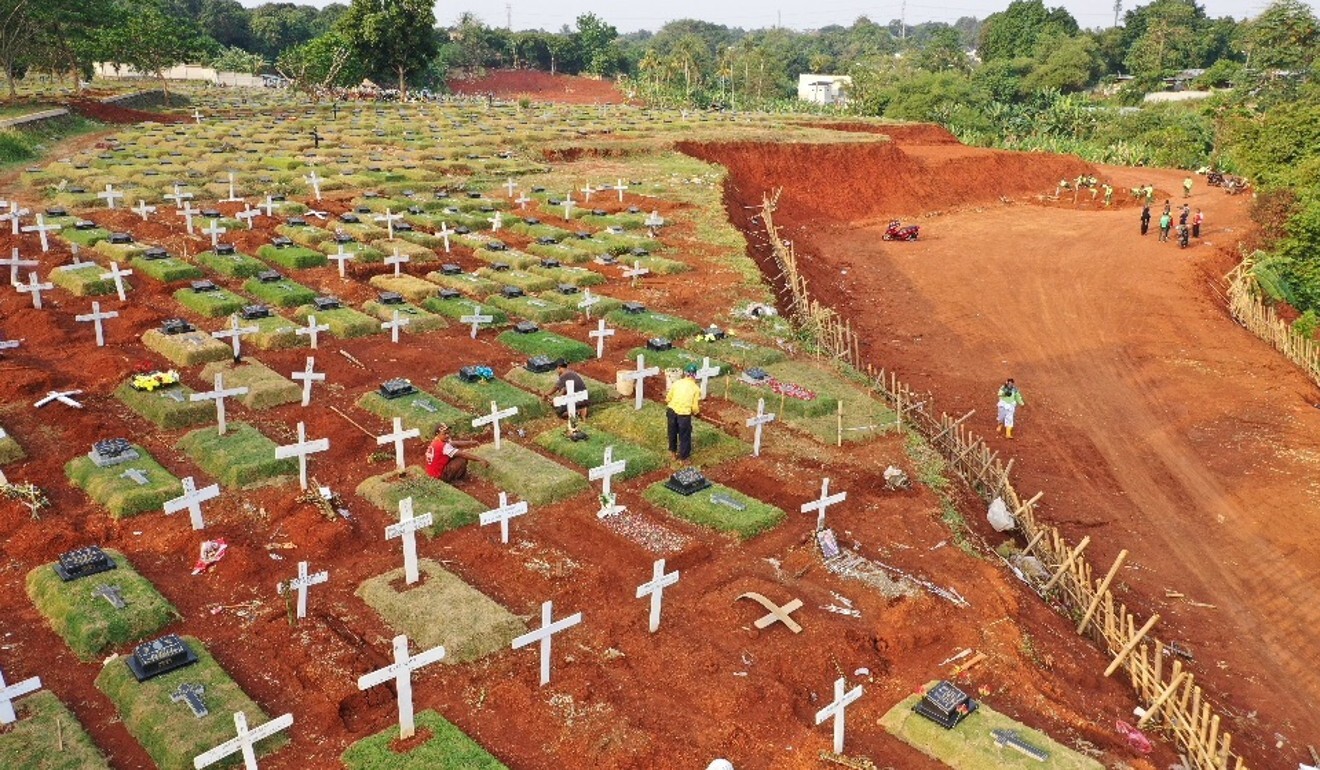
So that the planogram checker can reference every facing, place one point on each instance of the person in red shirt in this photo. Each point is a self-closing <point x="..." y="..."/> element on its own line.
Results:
<point x="444" y="458"/>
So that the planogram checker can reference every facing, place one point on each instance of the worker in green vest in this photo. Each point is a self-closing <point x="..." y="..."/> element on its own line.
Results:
<point x="1010" y="398"/>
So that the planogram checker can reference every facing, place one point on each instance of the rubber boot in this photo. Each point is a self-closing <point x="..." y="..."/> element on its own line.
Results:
<point x="1008" y="432"/>
<point x="999" y="428"/>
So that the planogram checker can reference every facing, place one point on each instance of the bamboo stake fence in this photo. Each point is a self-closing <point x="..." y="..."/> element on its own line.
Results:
<point x="1174" y="704"/>
<point x="1246" y="305"/>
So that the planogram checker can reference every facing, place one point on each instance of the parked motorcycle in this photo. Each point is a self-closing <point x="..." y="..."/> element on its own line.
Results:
<point x="898" y="232"/>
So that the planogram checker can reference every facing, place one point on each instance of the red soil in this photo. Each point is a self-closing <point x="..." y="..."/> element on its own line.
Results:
<point x="110" y="113"/>
<point x="539" y="86"/>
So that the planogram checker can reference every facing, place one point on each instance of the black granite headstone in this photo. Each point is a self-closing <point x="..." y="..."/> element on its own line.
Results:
<point x="687" y="481"/>
<point x="390" y="298"/>
<point x="253" y="312"/>
<point x="176" y="326"/>
<point x="526" y="327"/>
<point x="269" y="276"/>
<point x="659" y="344"/>
<point x="566" y="288"/>
<point x="121" y="238"/>
<point x="204" y="285"/>
<point x="540" y="364"/>
<point x="160" y="656"/>
<point x="397" y="388"/>
<point x="945" y="705"/>
<point x="81" y="562"/>
<point x="449" y="294"/>
<point x="450" y="269"/>
<point x="634" y="308"/>
<point x="512" y="292"/>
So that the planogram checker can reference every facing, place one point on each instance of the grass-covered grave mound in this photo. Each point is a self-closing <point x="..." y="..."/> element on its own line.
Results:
<point x="235" y="265"/>
<point x="542" y="383"/>
<point x="167" y="406"/>
<point x="416" y="320"/>
<point x="266" y="387"/>
<point x="344" y="322"/>
<point x="212" y="304"/>
<point x="654" y="324"/>
<point x="528" y="282"/>
<point x="84" y="280"/>
<point x="590" y="452"/>
<point x="281" y="293"/>
<point x="476" y="397"/>
<point x="274" y="332"/>
<point x="573" y="276"/>
<point x="442" y="609"/>
<point x="10" y="450"/>
<point x="535" y="309"/>
<point x="527" y="475"/>
<point x="647" y="426"/>
<point x="419" y="410"/>
<point x="863" y="415"/>
<point x="677" y="358"/>
<point x="410" y="287"/>
<point x="466" y="283"/>
<point x="167" y="730"/>
<point x="734" y="350"/>
<point x="448" y="747"/>
<point x="701" y="507"/>
<point x="603" y="306"/>
<point x="458" y="307"/>
<point x="122" y="495"/>
<point x="187" y="349"/>
<point x="242" y="457"/>
<point x="88" y="623"/>
<point x="292" y="257"/>
<point x="47" y="736"/>
<point x="167" y="270"/>
<point x="545" y="343"/>
<point x="451" y="507"/>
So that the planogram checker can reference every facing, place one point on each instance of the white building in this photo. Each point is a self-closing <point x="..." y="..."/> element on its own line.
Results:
<point x="823" y="89"/>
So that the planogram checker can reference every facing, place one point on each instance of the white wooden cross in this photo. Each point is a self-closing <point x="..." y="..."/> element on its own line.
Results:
<point x="398" y="261"/>
<point x="232" y="198"/>
<point x="197" y="115"/>
<point x="502" y="513"/>
<point x="248" y="214"/>
<point x="638" y="376"/>
<point x="825" y="501"/>
<point x="312" y="330"/>
<point x="143" y="210"/>
<point x="7" y="344"/>
<point x="654" y="220"/>
<point x="219" y="395"/>
<point x="444" y="234"/>
<point x="245" y="741"/>
<point x="606" y="471"/>
<point x="110" y="195"/>
<point x="309" y="376"/>
<point x="187" y="212"/>
<point x="14" y="263"/>
<point x="494" y="419"/>
<point x="315" y="182"/>
<point x="301" y="450"/>
<point x="14" y="215"/>
<point x="660" y="580"/>
<point x="42" y="230"/>
<point x="588" y="300"/>
<point x="568" y="207"/>
<point x="510" y="185"/>
<point x="586" y="192"/>
<point x="117" y="276"/>
<point x="842" y="698"/>
<point x="389" y="218"/>
<point x="406" y="530"/>
<point x="178" y="196"/>
<point x="705" y="373"/>
<point x="192" y="499"/>
<point x="496" y="221"/>
<point x="97" y="317"/>
<point x="476" y="319"/>
<point x="269" y="206"/>
<point x="35" y="288"/>
<point x="635" y="272"/>
<point x="235" y="333"/>
<point x="522" y="200"/>
<point x="214" y="230"/>
<point x="302" y="583"/>
<point x="397" y="438"/>
<point x="395" y="325"/>
<point x="62" y="396"/>
<point x="9" y="692"/>
<point x="571" y="398"/>
<point x="401" y="672"/>
<point x="761" y="419"/>
<point x="620" y="186"/>
<point x="342" y="257"/>
<point x="543" y="635"/>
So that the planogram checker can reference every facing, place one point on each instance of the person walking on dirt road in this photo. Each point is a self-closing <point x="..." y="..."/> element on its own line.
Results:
<point x="1010" y="398"/>
<point x="1145" y="218"/>
<point x="1187" y="187"/>
<point x="1165" y="221"/>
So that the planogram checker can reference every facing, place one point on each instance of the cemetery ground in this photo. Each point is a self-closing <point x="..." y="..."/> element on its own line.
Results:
<point x="708" y="683"/>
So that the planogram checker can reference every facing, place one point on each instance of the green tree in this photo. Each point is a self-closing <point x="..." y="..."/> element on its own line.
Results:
<point x="276" y="26"/>
<point x="943" y="51"/>
<point x="233" y="59"/>
<point x="322" y="63"/>
<point x="394" y="38"/>
<point x="227" y="22"/>
<point x="596" y="45"/>
<point x="150" y="38"/>
<point x="1071" y="66"/>
<point x="1285" y="36"/>
<point x="1016" y="30"/>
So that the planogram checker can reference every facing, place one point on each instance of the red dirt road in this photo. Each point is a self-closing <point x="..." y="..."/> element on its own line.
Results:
<point x="539" y="86"/>
<point x="1153" y="422"/>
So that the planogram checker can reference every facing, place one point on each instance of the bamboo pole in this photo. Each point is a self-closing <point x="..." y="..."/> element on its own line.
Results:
<point x="1067" y="562"/>
<point x="1104" y="588"/>
<point x="1131" y="645"/>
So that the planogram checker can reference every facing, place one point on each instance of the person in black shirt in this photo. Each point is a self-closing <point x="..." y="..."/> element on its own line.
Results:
<point x="567" y="375"/>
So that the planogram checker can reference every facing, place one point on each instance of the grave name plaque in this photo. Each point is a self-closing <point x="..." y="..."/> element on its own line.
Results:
<point x="687" y="481"/>
<point x="945" y="705"/>
<point x="160" y="656"/>
<point x="191" y="694"/>
<point x="81" y="562"/>
<point x="112" y="594"/>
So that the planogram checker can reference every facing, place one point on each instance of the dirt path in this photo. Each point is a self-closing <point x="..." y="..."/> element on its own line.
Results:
<point x="1154" y="422"/>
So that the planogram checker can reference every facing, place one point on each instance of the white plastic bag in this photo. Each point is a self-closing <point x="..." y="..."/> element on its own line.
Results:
<point x="999" y="516"/>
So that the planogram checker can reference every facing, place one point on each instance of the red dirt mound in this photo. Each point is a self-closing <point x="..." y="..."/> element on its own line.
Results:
<point x="110" y="113"/>
<point x="917" y="133"/>
<point x="542" y="86"/>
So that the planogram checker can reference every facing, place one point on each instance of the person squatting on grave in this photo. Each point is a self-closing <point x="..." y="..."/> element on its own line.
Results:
<point x="567" y="375"/>
<point x="682" y="401"/>
<point x="445" y="460"/>
<point x="1010" y="398"/>
<point x="1145" y="218"/>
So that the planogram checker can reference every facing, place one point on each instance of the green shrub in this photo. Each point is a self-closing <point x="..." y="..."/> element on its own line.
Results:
<point x="1306" y="324"/>
<point x="448" y="747"/>
<point x="699" y="508"/>
<point x="120" y="495"/>
<point x="242" y="457"/>
<point x="281" y="293"/>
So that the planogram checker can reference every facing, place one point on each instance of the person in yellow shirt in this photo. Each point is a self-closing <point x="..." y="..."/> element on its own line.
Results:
<point x="682" y="401"/>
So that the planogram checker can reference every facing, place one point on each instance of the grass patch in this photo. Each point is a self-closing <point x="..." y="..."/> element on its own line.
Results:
<point x="544" y="343"/>
<point x="120" y="495"/>
<point x="84" y="281"/>
<point x="467" y="283"/>
<point x="534" y="309"/>
<point x="577" y="276"/>
<point x="162" y="407"/>
<point x="119" y="252"/>
<point x="419" y="321"/>
<point x="234" y="265"/>
<point x="416" y="252"/>
<point x="48" y="736"/>
<point x="88" y="623"/>
<point x="293" y="257"/>
<point x="458" y="307"/>
<point x="742" y="353"/>
<point x="827" y="386"/>
<point x="167" y="270"/>
<point x="522" y="472"/>
<point x="698" y="508"/>
<point x="972" y="746"/>
<point x="189" y="349"/>
<point x="274" y="332"/>
<point x="310" y="237"/>
<point x="475" y="397"/>
<point x="266" y="387"/>
<point x="568" y="252"/>
<point x="344" y="322"/>
<point x="242" y="458"/>
<point x="168" y="731"/>
<point x="542" y="383"/>
<point x="10" y="450"/>
<point x="281" y="293"/>
<point x="410" y="287"/>
<point x="441" y="610"/>
<point x="212" y="304"/>
<point x="84" y="238"/>
<point x="447" y="747"/>
<point x="710" y="445"/>
<point x="451" y="507"/>
<point x="604" y="306"/>
<point x="420" y="410"/>
<point x="528" y="282"/>
<point x="591" y="453"/>
<point x="677" y="358"/>
<point x="659" y="265"/>
<point x="654" y="324"/>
